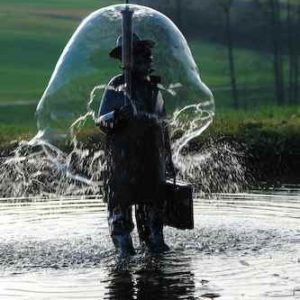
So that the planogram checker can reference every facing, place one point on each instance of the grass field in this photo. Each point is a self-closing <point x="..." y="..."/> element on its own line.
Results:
<point x="32" y="36"/>
<point x="33" y="33"/>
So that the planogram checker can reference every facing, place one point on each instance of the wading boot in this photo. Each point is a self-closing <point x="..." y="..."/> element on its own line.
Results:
<point x="150" y="228"/>
<point x="123" y="244"/>
<point x="157" y="244"/>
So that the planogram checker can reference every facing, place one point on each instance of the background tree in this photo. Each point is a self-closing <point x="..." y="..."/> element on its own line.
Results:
<point x="272" y="11"/>
<point x="178" y="8"/>
<point x="293" y="12"/>
<point x="297" y="54"/>
<point x="226" y="7"/>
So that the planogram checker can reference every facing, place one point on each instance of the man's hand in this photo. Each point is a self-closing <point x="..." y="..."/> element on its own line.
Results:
<point x="125" y="113"/>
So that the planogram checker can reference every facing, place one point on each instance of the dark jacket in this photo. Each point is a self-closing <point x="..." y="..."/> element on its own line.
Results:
<point x="137" y="149"/>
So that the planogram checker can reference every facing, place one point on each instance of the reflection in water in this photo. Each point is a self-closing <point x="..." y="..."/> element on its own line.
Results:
<point x="120" y="286"/>
<point x="158" y="277"/>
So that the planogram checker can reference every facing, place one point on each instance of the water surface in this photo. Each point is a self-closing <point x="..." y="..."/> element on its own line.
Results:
<point x="244" y="246"/>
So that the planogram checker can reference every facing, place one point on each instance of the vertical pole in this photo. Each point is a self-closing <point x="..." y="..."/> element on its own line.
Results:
<point x="127" y="48"/>
<point x="231" y="59"/>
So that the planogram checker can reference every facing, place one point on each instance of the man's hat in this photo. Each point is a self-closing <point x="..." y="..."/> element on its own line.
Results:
<point x="137" y="43"/>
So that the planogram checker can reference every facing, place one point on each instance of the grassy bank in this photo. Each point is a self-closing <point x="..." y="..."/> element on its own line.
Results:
<point x="20" y="121"/>
<point x="270" y="137"/>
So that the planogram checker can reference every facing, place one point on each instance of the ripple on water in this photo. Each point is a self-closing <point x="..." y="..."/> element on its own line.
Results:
<point x="243" y="246"/>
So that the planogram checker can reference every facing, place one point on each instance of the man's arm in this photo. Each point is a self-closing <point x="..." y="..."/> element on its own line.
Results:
<point x="113" y="113"/>
<point x="107" y="120"/>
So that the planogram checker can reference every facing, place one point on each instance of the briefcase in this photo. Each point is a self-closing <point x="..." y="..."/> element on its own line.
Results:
<point x="178" y="204"/>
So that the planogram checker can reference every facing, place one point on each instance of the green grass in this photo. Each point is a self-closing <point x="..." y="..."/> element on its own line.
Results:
<point x="229" y="122"/>
<point x="20" y="123"/>
<point x="254" y="72"/>
<point x="213" y="65"/>
<point x="32" y="37"/>
<point x="33" y="34"/>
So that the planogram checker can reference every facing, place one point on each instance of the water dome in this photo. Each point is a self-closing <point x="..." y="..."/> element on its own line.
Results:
<point x="84" y="68"/>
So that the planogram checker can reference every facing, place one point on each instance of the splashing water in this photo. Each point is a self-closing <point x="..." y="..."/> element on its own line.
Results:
<point x="40" y="168"/>
<point x="67" y="109"/>
<point x="220" y="167"/>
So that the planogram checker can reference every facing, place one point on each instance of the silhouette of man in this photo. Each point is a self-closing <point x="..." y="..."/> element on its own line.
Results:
<point x="138" y="152"/>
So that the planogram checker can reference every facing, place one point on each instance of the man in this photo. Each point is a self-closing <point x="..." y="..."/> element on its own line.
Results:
<point x="138" y="152"/>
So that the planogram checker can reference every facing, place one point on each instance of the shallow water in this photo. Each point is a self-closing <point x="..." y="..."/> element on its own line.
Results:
<point x="244" y="246"/>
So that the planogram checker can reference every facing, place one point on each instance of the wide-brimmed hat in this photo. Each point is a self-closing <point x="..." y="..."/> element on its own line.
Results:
<point x="137" y="43"/>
